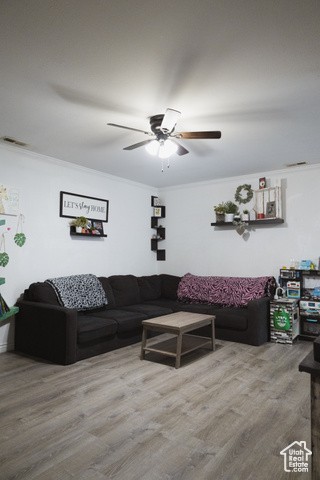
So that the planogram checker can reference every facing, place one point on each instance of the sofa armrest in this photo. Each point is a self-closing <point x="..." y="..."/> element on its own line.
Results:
<point x="259" y="320"/>
<point x="46" y="331"/>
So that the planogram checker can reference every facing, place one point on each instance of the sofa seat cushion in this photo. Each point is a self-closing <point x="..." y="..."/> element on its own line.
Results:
<point x="150" y="310"/>
<point x="92" y="327"/>
<point x="126" y="320"/>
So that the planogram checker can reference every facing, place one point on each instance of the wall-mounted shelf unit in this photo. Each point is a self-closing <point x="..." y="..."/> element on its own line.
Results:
<point x="159" y="212"/>
<point x="262" y="222"/>
<point x="13" y="311"/>
<point x="91" y="235"/>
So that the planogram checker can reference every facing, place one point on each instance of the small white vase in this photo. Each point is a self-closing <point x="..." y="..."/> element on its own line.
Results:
<point x="79" y="229"/>
<point x="229" y="217"/>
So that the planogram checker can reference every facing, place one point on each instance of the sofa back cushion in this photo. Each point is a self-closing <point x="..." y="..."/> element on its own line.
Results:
<point x="224" y="291"/>
<point x="108" y="291"/>
<point x="150" y="287"/>
<point x="41" y="292"/>
<point x="169" y="286"/>
<point x="125" y="290"/>
<point x="79" y="292"/>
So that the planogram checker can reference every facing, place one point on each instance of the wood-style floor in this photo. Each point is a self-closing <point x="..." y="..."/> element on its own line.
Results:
<point x="223" y="415"/>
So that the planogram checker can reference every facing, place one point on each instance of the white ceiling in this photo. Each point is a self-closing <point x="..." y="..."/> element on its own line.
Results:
<point x="249" y="68"/>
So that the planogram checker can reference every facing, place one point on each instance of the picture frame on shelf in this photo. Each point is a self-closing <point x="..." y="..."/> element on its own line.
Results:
<point x="97" y="228"/>
<point x="157" y="212"/>
<point x="262" y="182"/>
<point x="271" y="209"/>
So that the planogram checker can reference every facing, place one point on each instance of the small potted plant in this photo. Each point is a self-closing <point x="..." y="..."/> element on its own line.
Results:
<point x="79" y="223"/>
<point x="245" y="215"/>
<point x="231" y="210"/>
<point x="220" y="212"/>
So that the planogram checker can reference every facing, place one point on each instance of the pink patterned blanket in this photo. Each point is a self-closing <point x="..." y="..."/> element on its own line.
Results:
<point x="224" y="291"/>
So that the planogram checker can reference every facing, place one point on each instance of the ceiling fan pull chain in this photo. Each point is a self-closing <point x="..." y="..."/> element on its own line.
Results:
<point x="168" y="163"/>
<point x="162" y="165"/>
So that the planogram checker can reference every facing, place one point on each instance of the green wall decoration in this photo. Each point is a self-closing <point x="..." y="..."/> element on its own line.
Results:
<point x="4" y="257"/>
<point x="239" y="198"/>
<point x="20" y="238"/>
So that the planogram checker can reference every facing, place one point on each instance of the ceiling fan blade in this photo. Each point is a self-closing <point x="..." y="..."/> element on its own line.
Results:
<point x="169" y="120"/>
<point x="181" y="150"/>
<point x="190" y="135"/>
<point x="137" y="145"/>
<point x="129" y="128"/>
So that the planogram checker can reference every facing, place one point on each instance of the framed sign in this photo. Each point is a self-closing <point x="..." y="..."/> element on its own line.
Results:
<point x="9" y="200"/>
<point x="73" y="205"/>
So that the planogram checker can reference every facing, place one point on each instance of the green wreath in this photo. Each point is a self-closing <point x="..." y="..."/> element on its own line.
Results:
<point x="239" y="198"/>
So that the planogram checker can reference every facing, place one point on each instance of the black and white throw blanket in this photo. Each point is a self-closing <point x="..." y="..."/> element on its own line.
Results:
<point x="81" y="292"/>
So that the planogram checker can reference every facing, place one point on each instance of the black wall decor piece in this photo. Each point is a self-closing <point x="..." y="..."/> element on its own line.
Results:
<point x="73" y="205"/>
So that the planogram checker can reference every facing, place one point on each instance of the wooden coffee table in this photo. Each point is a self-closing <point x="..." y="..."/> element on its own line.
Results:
<point x="179" y="324"/>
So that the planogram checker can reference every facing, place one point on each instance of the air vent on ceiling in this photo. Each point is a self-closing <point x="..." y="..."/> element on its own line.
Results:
<point x="13" y="141"/>
<point x="298" y="164"/>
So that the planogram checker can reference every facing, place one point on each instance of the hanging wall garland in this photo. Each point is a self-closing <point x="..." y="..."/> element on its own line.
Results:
<point x="239" y="198"/>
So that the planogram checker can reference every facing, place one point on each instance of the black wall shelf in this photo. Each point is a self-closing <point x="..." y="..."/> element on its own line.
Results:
<point x="265" y="221"/>
<point x="160" y="230"/>
<point x="91" y="235"/>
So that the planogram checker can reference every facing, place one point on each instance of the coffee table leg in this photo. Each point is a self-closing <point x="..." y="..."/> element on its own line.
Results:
<point x="143" y="342"/>
<point x="213" y="335"/>
<point x="178" y="354"/>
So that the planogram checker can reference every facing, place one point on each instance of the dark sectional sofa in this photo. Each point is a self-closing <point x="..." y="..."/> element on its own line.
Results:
<point x="47" y="330"/>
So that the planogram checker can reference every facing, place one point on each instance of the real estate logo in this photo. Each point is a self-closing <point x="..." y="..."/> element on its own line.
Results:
<point x="296" y="457"/>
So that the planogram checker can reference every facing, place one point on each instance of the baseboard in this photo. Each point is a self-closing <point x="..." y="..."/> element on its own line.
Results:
<point x="6" y="347"/>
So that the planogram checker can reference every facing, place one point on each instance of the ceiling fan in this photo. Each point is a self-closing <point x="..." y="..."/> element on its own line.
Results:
<point x="164" y="136"/>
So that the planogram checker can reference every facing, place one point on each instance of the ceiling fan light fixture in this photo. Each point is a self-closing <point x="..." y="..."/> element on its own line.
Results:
<point x="153" y="147"/>
<point x="169" y="120"/>
<point x="161" y="149"/>
<point x="167" y="149"/>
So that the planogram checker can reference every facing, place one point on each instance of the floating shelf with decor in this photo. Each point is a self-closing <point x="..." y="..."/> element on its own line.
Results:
<point x="12" y="311"/>
<point x="159" y="211"/>
<point x="267" y="207"/>
<point x="263" y="221"/>
<point x="92" y="235"/>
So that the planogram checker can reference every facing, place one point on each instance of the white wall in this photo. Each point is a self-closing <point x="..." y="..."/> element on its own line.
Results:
<point x="193" y="245"/>
<point x="49" y="250"/>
